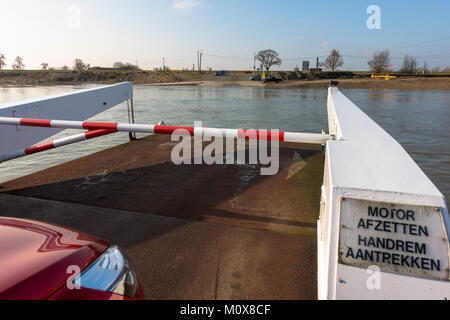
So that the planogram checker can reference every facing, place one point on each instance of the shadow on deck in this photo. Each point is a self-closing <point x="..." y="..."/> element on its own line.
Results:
<point x="192" y="231"/>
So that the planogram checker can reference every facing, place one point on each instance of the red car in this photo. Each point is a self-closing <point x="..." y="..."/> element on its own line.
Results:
<point x="44" y="261"/>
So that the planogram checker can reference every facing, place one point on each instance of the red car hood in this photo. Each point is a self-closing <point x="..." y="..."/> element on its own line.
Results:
<point x="35" y="257"/>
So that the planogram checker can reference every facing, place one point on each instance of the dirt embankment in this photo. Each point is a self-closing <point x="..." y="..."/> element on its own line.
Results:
<point x="291" y="79"/>
<point x="72" y="77"/>
<point x="375" y="84"/>
<point x="410" y="83"/>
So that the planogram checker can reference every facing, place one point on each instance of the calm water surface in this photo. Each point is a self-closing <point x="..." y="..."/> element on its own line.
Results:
<point x="417" y="119"/>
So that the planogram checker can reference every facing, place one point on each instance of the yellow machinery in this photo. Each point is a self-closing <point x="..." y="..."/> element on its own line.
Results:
<point x="380" y="76"/>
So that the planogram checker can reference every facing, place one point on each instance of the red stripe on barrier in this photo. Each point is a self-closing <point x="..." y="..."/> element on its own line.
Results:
<point x="39" y="147"/>
<point x="171" y="129"/>
<point x="100" y="125"/>
<point x="35" y="122"/>
<point x="259" y="134"/>
<point x="98" y="133"/>
<point x="281" y="136"/>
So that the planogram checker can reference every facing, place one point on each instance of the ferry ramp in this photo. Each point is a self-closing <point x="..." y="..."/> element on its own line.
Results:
<point x="192" y="231"/>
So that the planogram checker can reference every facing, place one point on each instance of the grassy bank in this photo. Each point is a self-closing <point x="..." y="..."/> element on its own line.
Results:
<point x="235" y="78"/>
<point x="41" y="77"/>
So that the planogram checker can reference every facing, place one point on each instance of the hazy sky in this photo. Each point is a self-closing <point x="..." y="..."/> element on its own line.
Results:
<point x="229" y="31"/>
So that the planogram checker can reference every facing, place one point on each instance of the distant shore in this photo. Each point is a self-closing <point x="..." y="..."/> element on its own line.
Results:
<point x="44" y="78"/>
<point x="394" y="84"/>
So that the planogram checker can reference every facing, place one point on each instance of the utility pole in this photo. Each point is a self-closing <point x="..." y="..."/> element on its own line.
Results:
<point x="200" y="61"/>
<point x="317" y="65"/>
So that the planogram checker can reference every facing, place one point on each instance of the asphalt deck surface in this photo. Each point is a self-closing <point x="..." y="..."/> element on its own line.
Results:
<point x="192" y="231"/>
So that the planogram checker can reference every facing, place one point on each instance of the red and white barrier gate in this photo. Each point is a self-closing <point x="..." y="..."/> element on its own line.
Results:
<point x="97" y="129"/>
<point x="54" y="144"/>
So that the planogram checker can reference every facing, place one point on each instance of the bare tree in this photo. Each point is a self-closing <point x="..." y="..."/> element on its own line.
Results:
<point x="409" y="65"/>
<point x="79" y="65"/>
<point x="44" y="66"/>
<point x="2" y="61"/>
<point x="334" y="60"/>
<point x="436" y="70"/>
<point x="18" y="64"/>
<point x="118" y="65"/>
<point x="125" y="66"/>
<point x="380" y="61"/>
<point x="269" y="58"/>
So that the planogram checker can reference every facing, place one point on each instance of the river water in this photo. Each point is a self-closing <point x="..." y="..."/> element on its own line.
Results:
<point x="417" y="119"/>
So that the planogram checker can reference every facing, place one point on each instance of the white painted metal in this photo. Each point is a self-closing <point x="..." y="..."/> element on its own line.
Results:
<point x="55" y="144"/>
<point x="142" y="128"/>
<point x="79" y="105"/>
<point x="366" y="163"/>
<point x="313" y="138"/>
<point x="215" y="132"/>
<point x="296" y="137"/>
<point x="66" y="124"/>
<point x="69" y="140"/>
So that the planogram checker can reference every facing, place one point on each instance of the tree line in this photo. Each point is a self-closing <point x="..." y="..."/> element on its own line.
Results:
<point x="78" y="65"/>
<point x="381" y="62"/>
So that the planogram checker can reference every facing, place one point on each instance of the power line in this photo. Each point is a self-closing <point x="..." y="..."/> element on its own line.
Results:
<point x="422" y="43"/>
<point x="226" y="57"/>
<point x="434" y="55"/>
<point x="400" y="57"/>
<point x="216" y="58"/>
<point x="303" y="58"/>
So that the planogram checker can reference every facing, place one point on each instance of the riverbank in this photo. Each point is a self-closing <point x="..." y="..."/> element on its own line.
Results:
<point x="396" y="84"/>
<point x="410" y="83"/>
<point x="43" y="78"/>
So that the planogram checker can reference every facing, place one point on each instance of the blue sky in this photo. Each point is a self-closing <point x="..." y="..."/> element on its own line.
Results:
<point x="228" y="31"/>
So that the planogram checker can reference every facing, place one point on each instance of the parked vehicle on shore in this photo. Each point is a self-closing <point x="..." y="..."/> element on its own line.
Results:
<point x="271" y="78"/>
<point x="222" y="73"/>
<point x="42" y="261"/>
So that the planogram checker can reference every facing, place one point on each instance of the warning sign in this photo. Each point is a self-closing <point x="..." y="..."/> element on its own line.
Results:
<point x="397" y="238"/>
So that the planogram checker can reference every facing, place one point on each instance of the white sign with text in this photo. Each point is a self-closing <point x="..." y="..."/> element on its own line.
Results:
<point x="397" y="238"/>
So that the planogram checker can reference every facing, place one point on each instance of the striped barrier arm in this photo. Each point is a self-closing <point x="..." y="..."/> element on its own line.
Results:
<point x="55" y="144"/>
<point x="296" y="137"/>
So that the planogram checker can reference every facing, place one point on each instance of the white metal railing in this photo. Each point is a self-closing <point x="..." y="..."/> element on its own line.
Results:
<point x="369" y="169"/>
<point x="78" y="105"/>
